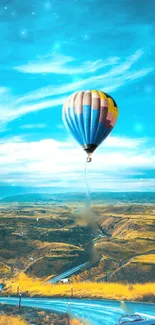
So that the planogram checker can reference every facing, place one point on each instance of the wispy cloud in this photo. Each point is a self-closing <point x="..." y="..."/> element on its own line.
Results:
<point x="50" y="162"/>
<point x="58" y="66"/>
<point x="61" y="64"/>
<point x="10" y="113"/>
<point x="113" y="79"/>
<point x="121" y="72"/>
<point x="3" y="90"/>
<point x="34" y="126"/>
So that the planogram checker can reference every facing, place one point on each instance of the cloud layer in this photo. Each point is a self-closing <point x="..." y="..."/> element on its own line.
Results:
<point x="120" y="162"/>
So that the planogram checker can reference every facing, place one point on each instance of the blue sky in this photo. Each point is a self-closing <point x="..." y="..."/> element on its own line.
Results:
<point x="50" y="49"/>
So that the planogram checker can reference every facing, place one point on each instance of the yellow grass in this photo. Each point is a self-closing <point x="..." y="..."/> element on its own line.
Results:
<point x="77" y="322"/>
<point x="11" y="320"/>
<point x="34" y="287"/>
<point x="135" y="234"/>
<point x="148" y="259"/>
<point x="4" y="268"/>
<point x="14" y="320"/>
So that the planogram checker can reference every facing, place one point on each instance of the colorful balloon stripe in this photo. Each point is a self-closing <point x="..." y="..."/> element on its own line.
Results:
<point x="90" y="116"/>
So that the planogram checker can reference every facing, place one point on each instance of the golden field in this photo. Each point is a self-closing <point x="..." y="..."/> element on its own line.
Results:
<point x="146" y="259"/>
<point x="117" y="291"/>
<point x="16" y="320"/>
<point x="11" y="320"/>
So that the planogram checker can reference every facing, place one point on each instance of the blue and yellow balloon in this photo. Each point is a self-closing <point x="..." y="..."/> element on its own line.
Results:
<point x="90" y="116"/>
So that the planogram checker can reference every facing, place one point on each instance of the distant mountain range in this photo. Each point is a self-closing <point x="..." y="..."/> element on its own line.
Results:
<point x="7" y="190"/>
<point x="119" y="197"/>
<point x="32" y="197"/>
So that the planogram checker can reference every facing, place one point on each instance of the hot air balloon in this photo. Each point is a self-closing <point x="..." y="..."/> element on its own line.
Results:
<point x="90" y="116"/>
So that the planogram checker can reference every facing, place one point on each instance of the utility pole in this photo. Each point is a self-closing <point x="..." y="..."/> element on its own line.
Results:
<point x="68" y="320"/>
<point x="18" y="290"/>
<point x="68" y="314"/>
<point x="20" y="299"/>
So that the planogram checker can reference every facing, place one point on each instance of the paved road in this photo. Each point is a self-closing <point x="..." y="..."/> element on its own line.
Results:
<point x="99" y="312"/>
<point x="68" y="273"/>
<point x="126" y="260"/>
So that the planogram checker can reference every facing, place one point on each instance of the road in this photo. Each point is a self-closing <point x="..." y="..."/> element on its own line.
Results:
<point x="126" y="260"/>
<point x="98" y="312"/>
<point x="74" y="269"/>
<point x="68" y="273"/>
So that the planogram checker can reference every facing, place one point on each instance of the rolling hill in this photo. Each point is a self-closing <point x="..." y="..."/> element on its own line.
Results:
<point x="44" y="239"/>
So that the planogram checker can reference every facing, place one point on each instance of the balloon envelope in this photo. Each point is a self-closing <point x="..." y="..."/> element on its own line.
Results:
<point x="90" y="116"/>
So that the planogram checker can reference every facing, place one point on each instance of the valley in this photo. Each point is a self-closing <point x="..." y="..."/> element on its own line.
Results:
<point x="45" y="239"/>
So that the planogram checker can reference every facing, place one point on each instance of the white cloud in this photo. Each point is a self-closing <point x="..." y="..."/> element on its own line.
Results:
<point x="60" y="64"/>
<point x="54" y="163"/>
<point x="57" y="64"/>
<point x="121" y="73"/>
<point x="11" y="114"/>
<point x="13" y="139"/>
<point x="3" y="90"/>
<point x="127" y="185"/>
<point x="123" y="142"/>
<point x="34" y="126"/>
<point x="111" y="81"/>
